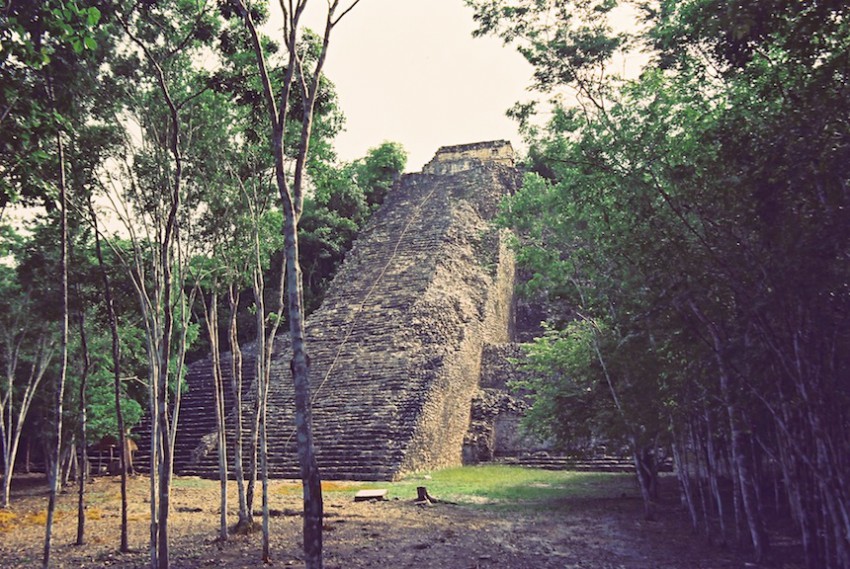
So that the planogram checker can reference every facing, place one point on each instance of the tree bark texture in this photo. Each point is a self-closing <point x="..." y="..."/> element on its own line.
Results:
<point x="124" y="546"/>
<point x="83" y="470"/>
<point x="53" y="475"/>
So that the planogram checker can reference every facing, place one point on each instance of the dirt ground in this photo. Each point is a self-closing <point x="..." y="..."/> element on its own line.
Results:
<point x="601" y="532"/>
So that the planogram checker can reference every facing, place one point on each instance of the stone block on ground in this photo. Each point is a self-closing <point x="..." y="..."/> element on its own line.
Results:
<point x="378" y="495"/>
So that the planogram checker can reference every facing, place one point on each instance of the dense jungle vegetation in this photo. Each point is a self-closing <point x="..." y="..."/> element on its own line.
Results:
<point x="692" y="224"/>
<point x="688" y="225"/>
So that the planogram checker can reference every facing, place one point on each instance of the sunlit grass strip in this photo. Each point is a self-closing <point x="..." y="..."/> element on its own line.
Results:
<point x="489" y="485"/>
<point x="509" y="485"/>
<point x="328" y="486"/>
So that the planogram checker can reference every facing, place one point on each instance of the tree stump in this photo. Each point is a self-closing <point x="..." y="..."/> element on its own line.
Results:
<point x="423" y="498"/>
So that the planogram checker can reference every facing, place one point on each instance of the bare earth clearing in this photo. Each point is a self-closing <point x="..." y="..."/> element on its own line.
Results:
<point x="600" y="529"/>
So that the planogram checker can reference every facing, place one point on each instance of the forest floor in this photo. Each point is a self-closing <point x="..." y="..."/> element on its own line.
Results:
<point x="563" y="521"/>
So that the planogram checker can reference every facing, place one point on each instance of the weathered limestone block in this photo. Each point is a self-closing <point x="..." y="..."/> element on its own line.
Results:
<point x="489" y="407"/>
<point x="495" y="428"/>
<point x="454" y="159"/>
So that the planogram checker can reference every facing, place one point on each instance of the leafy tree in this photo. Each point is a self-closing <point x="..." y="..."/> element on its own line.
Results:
<point x="29" y="345"/>
<point x="342" y="201"/>
<point x="696" y="218"/>
<point x="376" y="173"/>
<point x="304" y="81"/>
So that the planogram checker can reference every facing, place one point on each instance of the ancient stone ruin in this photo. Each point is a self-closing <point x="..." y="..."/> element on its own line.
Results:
<point x="396" y="347"/>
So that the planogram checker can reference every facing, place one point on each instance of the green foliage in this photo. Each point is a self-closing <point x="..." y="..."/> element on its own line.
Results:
<point x="567" y="401"/>
<point x="343" y="199"/>
<point x="692" y="226"/>
<point x="379" y="170"/>
<point x="100" y="398"/>
<point x="44" y="44"/>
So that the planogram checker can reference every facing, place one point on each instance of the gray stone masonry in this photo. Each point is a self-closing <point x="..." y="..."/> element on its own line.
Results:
<point x="495" y="428"/>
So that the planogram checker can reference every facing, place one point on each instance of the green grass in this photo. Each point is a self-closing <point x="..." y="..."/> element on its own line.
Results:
<point x="508" y="486"/>
<point x="502" y="487"/>
<point x="190" y="482"/>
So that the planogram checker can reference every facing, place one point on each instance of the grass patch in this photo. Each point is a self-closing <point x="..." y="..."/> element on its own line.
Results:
<point x="490" y="486"/>
<point x="190" y="482"/>
<point x="40" y="518"/>
<point x="293" y="488"/>
<point x="514" y="486"/>
<point x="7" y="520"/>
<point x="94" y="513"/>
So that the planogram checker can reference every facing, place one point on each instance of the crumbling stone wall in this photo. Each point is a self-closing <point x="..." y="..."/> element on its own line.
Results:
<point x="481" y="312"/>
<point x="454" y="159"/>
<point x="495" y="428"/>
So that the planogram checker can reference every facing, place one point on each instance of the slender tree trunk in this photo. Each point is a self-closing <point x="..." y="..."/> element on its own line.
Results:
<point x="255" y="447"/>
<point x="683" y="472"/>
<point x="211" y="316"/>
<point x="262" y="397"/>
<point x="698" y="445"/>
<point x="264" y="476"/>
<point x="742" y="465"/>
<point x="155" y="465"/>
<point x="160" y="328"/>
<point x="711" y="463"/>
<point x="644" y="477"/>
<point x="291" y="202"/>
<point x="124" y="546"/>
<point x="13" y="427"/>
<point x="67" y="463"/>
<point x="164" y="470"/>
<point x="310" y="478"/>
<point x="245" y="515"/>
<point x="6" y="424"/>
<point x="83" y="471"/>
<point x="53" y="476"/>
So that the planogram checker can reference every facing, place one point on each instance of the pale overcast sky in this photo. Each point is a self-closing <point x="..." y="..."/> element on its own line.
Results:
<point x="409" y="71"/>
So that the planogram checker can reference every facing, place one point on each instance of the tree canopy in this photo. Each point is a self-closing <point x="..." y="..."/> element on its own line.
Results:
<point x="692" y="226"/>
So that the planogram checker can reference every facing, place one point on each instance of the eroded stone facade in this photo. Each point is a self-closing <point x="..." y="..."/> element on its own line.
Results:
<point x="454" y="159"/>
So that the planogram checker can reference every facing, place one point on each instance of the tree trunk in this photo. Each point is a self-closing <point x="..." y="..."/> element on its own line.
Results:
<point x="742" y="467"/>
<point x="265" y="348"/>
<point x="164" y="476"/>
<point x="310" y="478"/>
<point x="67" y="463"/>
<point x="291" y="203"/>
<point x="211" y="317"/>
<point x="255" y="449"/>
<point x="701" y="476"/>
<point x="83" y="471"/>
<point x="683" y="473"/>
<point x="644" y="475"/>
<point x="711" y="462"/>
<point x="264" y="476"/>
<point x="14" y="426"/>
<point x="53" y="475"/>
<point x="245" y="516"/>
<point x="124" y="546"/>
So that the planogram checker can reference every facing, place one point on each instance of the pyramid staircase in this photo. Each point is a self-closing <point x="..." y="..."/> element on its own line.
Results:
<point x="395" y="348"/>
